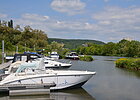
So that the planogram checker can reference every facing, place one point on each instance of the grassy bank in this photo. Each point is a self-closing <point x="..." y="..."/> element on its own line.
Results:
<point x="129" y="63"/>
<point x="86" y="58"/>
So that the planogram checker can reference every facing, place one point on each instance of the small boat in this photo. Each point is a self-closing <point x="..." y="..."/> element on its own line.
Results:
<point x="55" y="64"/>
<point x="72" y="55"/>
<point x="8" y="58"/>
<point x="54" y="55"/>
<point x="35" y="73"/>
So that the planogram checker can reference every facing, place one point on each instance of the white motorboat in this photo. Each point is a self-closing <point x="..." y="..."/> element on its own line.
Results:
<point x="56" y="64"/>
<point x="35" y="73"/>
<point x="8" y="58"/>
<point x="54" y="55"/>
<point x="72" y="55"/>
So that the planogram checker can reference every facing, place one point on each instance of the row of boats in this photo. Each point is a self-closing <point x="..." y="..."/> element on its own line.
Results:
<point x="35" y="69"/>
<point x="71" y="55"/>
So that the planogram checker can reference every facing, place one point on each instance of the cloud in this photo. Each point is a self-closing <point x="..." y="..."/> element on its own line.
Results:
<point x="3" y="15"/>
<point x="35" y="17"/>
<point x="106" y="0"/>
<point x="56" y="28"/>
<point x="117" y="22"/>
<point x="111" y="24"/>
<point x="71" y="7"/>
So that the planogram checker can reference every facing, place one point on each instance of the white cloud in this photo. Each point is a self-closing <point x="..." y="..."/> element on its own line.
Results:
<point x="56" y="28"/>
<point x="71" y="7"/>
<point x="3" y="15"/>
<point x="119" y="22"/>
<point x="111" y="24"/>
<point x="35" y="17"/>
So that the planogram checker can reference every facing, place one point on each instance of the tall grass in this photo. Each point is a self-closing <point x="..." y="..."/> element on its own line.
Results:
<point x="129" y="63"/>
<point x="86" y="58"/>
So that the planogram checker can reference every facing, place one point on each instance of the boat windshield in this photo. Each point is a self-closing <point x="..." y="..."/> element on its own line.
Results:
<point x="21" y="58"/>
<point x="13" y="70"/>
<point x="31" y="65"/>
<point x="25" y="65"/>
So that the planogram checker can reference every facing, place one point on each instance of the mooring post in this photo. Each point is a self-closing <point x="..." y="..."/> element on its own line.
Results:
<point x="25" y="47"/>
<point x="16" y="49"/>
<point x="2" y="51"/>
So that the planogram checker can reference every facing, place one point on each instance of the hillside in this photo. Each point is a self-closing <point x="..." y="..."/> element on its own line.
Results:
<point x="73" y="43"/>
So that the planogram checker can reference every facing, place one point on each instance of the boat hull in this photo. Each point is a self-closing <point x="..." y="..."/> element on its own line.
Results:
<point x="61" y="66"/>
<point x="62" y="81"/>
<point x="72" y="57"/>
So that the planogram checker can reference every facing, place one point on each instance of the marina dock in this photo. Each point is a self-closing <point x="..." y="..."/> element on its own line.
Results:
<point x="26" y="89"/>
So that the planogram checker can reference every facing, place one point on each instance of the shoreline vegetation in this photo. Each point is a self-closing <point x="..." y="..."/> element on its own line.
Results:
<point x="128" y="63"/>
<point x="86" y="58"/>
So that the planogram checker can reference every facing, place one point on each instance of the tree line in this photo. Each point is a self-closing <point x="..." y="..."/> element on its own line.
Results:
<point x="122" y="48"/>
<point x="73" y="43"/>
<point x="26" y="37"/>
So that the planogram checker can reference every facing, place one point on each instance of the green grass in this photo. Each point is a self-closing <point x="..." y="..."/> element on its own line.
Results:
<point x="129" y="63"/>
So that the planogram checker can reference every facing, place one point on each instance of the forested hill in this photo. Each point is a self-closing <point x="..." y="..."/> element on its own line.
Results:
<point x="73" y="43"/>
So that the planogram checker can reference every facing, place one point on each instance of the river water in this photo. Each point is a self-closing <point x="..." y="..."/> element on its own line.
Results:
<point x="110" y="83"/>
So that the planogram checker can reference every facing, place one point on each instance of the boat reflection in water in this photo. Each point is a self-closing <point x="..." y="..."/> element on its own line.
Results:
<point x="73" y="94"/>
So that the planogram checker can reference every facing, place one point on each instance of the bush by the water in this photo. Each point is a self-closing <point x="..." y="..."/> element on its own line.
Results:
<point x="129" y="63"/>
<point x="86" y="58"/>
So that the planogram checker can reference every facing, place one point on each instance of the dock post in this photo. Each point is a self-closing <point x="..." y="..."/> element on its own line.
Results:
<point x="2" y="51"/>
<point x="16" y="49"/>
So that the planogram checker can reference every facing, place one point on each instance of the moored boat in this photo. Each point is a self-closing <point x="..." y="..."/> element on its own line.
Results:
<point x="54" y="55"/>
<point x="72" y="55"/>
<point x="35" y="73"/>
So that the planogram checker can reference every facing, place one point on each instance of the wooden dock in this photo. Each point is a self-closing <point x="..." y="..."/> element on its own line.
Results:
<point x="27" y="89"/>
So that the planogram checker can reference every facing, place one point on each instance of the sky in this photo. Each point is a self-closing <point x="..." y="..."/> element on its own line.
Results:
<point x="103" y="20"/>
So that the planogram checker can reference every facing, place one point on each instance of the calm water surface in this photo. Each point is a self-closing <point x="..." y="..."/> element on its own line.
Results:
<point x="110" y="83"/>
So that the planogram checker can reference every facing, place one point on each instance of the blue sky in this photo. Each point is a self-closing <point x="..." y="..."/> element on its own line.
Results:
<point x="104" y="20"/>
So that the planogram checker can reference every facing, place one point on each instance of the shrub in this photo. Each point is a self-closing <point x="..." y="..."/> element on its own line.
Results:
<point x="129" y="63"/>
<point x="86" y="58"/>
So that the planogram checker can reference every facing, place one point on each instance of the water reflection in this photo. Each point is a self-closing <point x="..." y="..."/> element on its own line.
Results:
<point x="73" y="94"/>
<point x="128" y="72"/>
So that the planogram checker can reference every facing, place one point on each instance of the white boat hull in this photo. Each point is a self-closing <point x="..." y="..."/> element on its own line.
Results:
<point x="56" y="64"/>
<point x="62" y="79"/>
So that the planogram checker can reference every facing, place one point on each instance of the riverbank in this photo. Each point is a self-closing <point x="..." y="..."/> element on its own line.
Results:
<point x="128" y="63"/>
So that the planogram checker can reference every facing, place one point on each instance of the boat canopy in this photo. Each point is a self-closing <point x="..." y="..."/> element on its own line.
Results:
<point x="31" y="65"/>
<point x="25" y="65"/>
